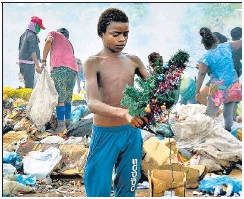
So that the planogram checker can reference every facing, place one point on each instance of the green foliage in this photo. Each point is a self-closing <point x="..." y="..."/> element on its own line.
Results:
<point x="179" y="59"/>
<point x="136" y="99"/>
<point x="161" y="88"/>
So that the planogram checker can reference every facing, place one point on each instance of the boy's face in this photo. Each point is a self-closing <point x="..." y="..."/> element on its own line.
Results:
<point x="116" y="36"/>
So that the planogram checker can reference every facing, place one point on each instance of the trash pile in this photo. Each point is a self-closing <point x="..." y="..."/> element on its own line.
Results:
<point x="30" y="154"/>
<point x="34" y="159"/>
<point x="200" y="146"/>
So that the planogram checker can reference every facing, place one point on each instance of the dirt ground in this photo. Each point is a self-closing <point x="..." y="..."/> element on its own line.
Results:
<point x="72" y="186"/>
<point x="81" y="193"/>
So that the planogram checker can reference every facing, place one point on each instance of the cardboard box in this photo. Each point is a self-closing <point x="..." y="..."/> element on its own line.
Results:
<point x="162" y="180"/>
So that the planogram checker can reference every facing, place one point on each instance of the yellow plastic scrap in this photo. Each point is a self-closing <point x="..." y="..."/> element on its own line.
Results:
<point x="62" y="134"/>
<point x="83" y="91"/>
<point x="13" y="115"/>
<point x="76" y="97"/>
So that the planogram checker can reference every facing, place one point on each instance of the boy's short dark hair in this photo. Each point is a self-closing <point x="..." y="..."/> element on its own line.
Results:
<point x="236" y="33"/>
<point x="110" y="14"/>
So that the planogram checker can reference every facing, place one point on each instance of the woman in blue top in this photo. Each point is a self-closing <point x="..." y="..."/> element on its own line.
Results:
<point x="224" y="87"/>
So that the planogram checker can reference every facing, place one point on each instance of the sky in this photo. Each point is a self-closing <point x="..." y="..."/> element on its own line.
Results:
<point x="154" y="27"/>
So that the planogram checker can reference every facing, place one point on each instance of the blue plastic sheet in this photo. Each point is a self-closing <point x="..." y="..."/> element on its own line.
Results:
<point x="208" y="184"/>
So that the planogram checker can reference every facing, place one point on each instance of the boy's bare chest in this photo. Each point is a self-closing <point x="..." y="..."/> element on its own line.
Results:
<point x="115" y="75"/>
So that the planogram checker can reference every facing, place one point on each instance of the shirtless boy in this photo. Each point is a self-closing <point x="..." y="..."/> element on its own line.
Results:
<point x="116" y="137"/>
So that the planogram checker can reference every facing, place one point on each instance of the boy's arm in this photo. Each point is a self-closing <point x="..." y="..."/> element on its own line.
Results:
<point x="95" y="105"/>
<point x="141" y="68"/>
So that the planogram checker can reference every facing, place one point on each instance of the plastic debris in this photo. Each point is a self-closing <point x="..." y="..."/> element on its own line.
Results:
<point x="218" y="190"/>
<point x="8" y="169"/>
<point x="13" y="187"/>
<point x="143" y="185"/>
<point x="229" y="190"/>
<point x="169" y="194"/>
<point x="195" y="159"/>
<point x="26" y="179"/>
<point x="77" y="113"/>
<point x="197" y="193"/>
<point x="209" y="183"/>
<point x="40" y="164"/>
<point x="12" y="158"/>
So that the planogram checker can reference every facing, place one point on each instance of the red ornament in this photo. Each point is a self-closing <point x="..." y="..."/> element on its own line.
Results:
<point x="154" y="101"/>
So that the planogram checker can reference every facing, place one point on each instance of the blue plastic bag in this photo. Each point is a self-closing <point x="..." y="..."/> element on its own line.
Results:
<point x="9" y="157"/>
<point x="77" y="113"/>
<point x="12" y="158"/>
<point x="26" y="179"/>
<point x="208" y="184"/>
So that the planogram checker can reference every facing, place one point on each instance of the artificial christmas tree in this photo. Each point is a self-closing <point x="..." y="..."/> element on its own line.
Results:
<point x="156" y="95"/>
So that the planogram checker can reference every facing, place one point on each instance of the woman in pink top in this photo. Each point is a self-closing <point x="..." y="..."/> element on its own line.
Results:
<point x="64" y="70"/>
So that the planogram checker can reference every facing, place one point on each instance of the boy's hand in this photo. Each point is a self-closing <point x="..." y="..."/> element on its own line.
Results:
<point x="136" y="122"/>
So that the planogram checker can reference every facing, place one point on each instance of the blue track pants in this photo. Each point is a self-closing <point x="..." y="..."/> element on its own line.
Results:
<point x="113" y="146"/>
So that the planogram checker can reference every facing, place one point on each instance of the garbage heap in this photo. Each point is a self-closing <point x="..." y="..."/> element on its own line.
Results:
<point x="34" y="159"/>
<point x="30" y="155"/>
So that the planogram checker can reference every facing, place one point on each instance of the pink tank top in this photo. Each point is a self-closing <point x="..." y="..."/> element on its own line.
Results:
<point x="61" y="53"/>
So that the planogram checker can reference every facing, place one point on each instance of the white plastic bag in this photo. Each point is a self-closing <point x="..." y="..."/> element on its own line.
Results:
<point x="52" y="140"/>
<point x="41" y="164"/>
<point x="43" y="100"/>
<point x="8" y="169"/>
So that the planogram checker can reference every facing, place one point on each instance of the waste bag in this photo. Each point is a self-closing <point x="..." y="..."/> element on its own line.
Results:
<point x="43" y="100"/>
<point x="41" y="164"/>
